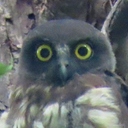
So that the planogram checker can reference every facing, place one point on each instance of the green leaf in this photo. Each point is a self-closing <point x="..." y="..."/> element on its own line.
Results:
<point x="5" y="68"/>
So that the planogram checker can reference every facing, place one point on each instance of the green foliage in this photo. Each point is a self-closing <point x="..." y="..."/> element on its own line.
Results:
<point x="5" y="68"/>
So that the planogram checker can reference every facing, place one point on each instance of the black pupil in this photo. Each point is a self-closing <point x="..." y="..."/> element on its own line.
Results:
<point x="45" y="53"/>
<point x="82" y="51"/>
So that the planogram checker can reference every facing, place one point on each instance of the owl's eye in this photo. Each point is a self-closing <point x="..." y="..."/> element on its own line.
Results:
<point x="83" y="51"/>
<point x="44" y="52"/>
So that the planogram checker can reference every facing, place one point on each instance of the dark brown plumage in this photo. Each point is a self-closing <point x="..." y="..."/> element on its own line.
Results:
<point x="90" y="100"/>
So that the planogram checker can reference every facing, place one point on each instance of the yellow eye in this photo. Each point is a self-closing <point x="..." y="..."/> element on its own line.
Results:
<point x="83" y="51"/>
<point x="44" y="52"/>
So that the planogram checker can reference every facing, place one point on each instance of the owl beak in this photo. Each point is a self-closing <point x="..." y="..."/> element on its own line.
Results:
<point x="63" y="71"/>
<point x="63" y="63"/>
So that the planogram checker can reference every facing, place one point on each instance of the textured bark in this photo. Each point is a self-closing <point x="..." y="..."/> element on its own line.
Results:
<point x="116" y="28"/>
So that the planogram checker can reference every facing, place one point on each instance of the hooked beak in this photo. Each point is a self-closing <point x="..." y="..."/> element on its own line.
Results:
<point x="63" y="63"/>
<point x="63" y="69"/>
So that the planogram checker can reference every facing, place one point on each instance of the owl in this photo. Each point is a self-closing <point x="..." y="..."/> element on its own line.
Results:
<point x="66" y="79"/>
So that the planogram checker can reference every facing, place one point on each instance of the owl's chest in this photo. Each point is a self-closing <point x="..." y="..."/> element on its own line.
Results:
<point x="96" y="108"/>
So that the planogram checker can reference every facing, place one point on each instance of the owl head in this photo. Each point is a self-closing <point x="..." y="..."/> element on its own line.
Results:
<point x="57" y="50"/>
